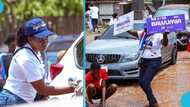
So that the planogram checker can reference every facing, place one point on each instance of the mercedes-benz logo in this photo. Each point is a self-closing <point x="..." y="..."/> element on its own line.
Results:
<point x="100" y="58"/>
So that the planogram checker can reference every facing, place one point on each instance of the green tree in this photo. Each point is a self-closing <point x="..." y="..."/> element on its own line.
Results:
<point x="25" y="9"/>
<point x="18" y="11"/>
<point x="22" y="10"/>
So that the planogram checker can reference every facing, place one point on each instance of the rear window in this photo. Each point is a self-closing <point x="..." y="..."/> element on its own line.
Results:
<point x="59" y="45"/>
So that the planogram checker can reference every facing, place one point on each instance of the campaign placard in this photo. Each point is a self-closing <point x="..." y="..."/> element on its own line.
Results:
<point x="124" y="23"/>
<point x="166" y="24"/>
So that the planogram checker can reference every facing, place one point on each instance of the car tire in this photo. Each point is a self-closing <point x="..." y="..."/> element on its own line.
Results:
<point x="174" y="56"/>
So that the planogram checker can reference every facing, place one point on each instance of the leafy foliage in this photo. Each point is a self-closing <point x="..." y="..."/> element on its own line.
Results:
<point x="24" y="9"/>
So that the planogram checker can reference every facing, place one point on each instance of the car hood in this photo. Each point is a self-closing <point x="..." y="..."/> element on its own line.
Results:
<point x="113" y="46"/>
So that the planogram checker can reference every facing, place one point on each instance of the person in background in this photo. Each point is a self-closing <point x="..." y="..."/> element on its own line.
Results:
<point x="5" y="58"/>
<point x="26" y="72"/>
<point x="151" y="63"/>
<point x="89" y="20"/>
<point x="146" y="13"/>
<point x="11" y="42"/>
<point x="96" y="87"/>
<point x="94" y="15"/>
<point x="113" y="19"/>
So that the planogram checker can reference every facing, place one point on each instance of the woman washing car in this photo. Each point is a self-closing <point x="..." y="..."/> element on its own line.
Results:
<point x="26" y="72"/>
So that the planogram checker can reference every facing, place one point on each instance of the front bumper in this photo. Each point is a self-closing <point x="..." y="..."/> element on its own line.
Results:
<point x="127" y="70"/>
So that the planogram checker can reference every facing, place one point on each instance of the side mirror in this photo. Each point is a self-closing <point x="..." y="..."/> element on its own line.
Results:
<point x="55" y="69"/>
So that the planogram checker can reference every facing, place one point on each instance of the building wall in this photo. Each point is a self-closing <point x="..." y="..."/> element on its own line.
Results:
<point x="66" y="25"/>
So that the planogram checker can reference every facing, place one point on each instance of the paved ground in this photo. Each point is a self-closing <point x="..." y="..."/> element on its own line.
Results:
<point x="168" y="87"/>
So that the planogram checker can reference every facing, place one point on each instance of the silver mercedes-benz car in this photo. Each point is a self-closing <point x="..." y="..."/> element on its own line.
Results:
<point x="120" y="53"/>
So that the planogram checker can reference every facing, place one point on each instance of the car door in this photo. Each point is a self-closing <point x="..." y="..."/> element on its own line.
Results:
<point x="71" y="62"/>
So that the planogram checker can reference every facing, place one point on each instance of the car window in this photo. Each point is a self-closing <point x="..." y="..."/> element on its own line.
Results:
<point x="109" y="34"/>
<point x="79" y="53"/>
<point x="168" y="12"/>
<point x="59" y="45"/>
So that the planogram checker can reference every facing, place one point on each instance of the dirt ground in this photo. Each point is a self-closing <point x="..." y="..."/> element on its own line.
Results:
<point x="168" y="86"/>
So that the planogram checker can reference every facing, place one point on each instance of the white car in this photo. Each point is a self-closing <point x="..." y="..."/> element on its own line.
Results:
<point x="72" y="68"/>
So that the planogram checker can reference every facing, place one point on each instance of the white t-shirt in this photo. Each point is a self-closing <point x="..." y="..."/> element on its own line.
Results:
<point x="24" y="69"/>
<point x="156" y="46"/>
<point x="94" y="12"/>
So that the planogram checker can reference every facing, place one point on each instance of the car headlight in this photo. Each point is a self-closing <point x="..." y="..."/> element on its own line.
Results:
<point x="130" y="57"/>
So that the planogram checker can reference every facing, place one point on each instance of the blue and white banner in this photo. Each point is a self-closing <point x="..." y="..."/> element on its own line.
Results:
<point x="166" y="24"/>
<point x="124" y="23"/>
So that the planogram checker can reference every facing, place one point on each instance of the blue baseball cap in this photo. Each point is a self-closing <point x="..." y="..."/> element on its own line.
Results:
<point x="36" y="27"/>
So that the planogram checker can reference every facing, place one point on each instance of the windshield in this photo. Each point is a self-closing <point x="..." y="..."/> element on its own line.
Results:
<point x="169" y="12"/>
<point x="108" y="34"/>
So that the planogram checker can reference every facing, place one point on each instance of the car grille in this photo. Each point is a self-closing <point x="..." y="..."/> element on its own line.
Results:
<point x="103" y="58"/>
<point x="114" y="73"/>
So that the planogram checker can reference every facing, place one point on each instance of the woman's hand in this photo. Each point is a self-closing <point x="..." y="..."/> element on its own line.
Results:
<point x="90" y="105"/>
<point x="147" y="46"/>
<point x="46" y="90"/>
<point x="78" y="91"/>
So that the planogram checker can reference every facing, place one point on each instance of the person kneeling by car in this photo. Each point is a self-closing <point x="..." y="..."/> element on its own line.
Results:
<point x="96" y="87"/>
